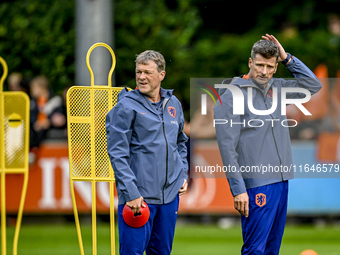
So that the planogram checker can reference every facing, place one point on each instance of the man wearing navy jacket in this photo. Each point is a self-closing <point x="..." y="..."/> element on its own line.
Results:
<point x="146" y="146"/>
<point x="261" y="142"/>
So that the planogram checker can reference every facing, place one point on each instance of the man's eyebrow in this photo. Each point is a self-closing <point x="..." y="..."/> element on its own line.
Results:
<point x="264" y="64"/>
<point x="143" y="69"/>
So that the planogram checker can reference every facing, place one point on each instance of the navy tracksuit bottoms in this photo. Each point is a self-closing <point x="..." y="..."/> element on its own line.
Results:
<point x="262" y="231"/>
<point x="155" y="237"/>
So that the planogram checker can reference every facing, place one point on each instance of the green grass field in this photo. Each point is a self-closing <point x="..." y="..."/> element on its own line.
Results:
<point x="54" y="239"/>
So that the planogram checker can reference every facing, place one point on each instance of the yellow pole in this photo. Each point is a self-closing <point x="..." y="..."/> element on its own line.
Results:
<point x="2" y="159"/>
<point x="3" y="213"/>
<point x="25" y="183"/>
<point x="76" y="218"/>
<point x="112" y="66"/>
<point x="19" y="218"/>
<point x="93" y="168"/>
<point x="4" y="75"/>
<point x="94" y="219"/>
<point x="112" y="217"/>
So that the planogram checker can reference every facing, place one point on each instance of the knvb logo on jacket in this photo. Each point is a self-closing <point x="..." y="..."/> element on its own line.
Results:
<point x="172" y="111"/>
<point x="270" y="93"/>
<point x="204" y="97"/>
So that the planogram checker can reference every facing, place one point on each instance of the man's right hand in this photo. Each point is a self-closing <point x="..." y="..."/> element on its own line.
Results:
<point x="136" y="204"/>
<point x="241" y="203"/>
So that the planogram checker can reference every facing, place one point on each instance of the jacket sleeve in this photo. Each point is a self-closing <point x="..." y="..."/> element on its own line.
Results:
<point x="119" y="123"/>
<point x="304" y="78"/>
<point x="228" y="140"/>
<point x="181" y="143"/>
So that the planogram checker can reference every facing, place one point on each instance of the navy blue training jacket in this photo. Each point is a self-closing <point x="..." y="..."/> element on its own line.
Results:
<point x="258" y="147"/>
<point x="147" y="153"/>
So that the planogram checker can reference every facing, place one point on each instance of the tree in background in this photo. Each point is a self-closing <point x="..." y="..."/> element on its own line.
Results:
<point x="198" y="38"/>
<point x="37" y="37"/>
<point x="162" y="26"/>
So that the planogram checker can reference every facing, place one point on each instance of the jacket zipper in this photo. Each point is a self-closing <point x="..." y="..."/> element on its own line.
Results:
<point x="167" y="152"/>
<point x="166" y="143"/>
<point x="166" y="160"/>
<point x="272" y="128"/>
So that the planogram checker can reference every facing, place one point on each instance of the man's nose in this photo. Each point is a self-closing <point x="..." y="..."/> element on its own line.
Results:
<point x="264" y="70"/>
<point x="142" y="75"/>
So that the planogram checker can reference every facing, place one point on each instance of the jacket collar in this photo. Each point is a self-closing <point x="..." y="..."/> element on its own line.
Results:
<point x="136" y="95"/>
<point x="244" y="83"/>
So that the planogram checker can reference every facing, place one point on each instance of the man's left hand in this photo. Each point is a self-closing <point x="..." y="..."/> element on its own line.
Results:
<point x="184" y="187"/>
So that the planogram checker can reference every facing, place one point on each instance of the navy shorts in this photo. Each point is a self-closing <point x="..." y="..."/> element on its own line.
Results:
<point x="262" y="231"/>
<point x="155" y="237"/>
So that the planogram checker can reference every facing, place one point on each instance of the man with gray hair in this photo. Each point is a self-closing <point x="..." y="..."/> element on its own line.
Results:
<point x="146" y="146"/>
<point x="258" y="146"/>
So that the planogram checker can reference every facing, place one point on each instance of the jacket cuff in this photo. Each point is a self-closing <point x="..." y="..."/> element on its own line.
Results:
<point x="237" y="186"/>
<point x="132" y="193"/>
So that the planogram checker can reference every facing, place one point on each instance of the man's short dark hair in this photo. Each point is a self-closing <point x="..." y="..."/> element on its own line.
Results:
<point x="266" y="49"/>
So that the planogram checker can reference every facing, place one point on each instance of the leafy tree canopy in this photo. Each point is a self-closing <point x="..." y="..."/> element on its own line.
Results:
<point x="198" y="38"/>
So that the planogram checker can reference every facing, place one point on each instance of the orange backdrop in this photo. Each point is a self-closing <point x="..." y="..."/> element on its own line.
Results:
<point x="49" y="187"/>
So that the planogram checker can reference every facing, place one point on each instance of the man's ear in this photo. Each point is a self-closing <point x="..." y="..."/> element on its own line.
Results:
<point x="250" y="63"/>
<point x="162" y="75"/>
<point x="277" y="64"/>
